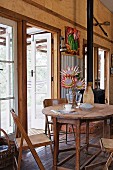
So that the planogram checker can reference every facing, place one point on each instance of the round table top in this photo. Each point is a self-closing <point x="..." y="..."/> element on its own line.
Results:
<point x="98" y="112"/>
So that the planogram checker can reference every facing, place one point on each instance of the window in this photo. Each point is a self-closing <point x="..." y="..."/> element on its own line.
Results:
<point x="8" y="74"/>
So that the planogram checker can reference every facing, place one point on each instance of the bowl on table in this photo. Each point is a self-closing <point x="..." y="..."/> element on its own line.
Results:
<point x="86" y="106"/>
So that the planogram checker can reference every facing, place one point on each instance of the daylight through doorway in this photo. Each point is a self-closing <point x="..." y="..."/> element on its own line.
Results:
<point x="38" y="75"/>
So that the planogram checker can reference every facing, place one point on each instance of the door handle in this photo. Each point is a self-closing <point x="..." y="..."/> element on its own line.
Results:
<point x="31" y="73"/>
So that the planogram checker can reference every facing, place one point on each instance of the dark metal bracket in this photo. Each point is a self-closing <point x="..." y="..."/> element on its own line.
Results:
<point x="98" y="24"/>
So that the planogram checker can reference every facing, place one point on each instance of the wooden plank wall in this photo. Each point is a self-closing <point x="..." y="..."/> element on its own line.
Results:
<point x="61" y="13"/>
<point x="22" y="74"/>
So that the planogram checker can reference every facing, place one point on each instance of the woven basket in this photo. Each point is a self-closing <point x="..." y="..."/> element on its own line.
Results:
<point x="7" y="151"/>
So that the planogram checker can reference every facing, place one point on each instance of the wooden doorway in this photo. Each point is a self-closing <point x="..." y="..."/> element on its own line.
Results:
<point x="41" y="72"/>
<point x="100" y="68"/>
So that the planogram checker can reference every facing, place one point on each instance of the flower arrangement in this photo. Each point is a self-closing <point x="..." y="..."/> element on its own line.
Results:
<point x="71" y="79"/>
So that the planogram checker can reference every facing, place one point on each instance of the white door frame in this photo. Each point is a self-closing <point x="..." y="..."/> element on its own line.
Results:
<point x="13" y="24"/>
<point x="34" y="121"/>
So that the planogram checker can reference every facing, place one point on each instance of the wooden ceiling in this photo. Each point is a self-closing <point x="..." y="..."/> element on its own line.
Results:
<point x="108" y="4"/>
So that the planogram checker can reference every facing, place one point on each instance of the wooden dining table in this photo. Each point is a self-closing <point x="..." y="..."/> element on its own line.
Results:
<point x="100" y="112"/>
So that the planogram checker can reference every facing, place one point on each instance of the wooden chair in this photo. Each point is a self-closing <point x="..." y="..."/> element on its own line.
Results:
<point x="29" y="142"/>
<point x="107" y="146"/>
<point x="53" y="102"/>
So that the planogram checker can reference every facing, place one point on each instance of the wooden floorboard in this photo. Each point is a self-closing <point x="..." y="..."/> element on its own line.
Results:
<point x="28" y="162"/>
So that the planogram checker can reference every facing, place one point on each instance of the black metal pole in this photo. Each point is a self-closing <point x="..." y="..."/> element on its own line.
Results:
<point x="89" y="41"/>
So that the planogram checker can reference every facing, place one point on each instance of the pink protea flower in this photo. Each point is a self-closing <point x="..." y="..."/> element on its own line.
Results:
<point x="70" y="72"/>
<point x="67" y="82"/>
<point x="80" y="84"/>
<point x="71" y="78"/>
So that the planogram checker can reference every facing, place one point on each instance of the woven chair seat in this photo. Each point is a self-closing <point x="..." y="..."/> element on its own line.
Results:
<point x="36" y="140"/>
<point x="107" y="144"/>
<point x="7" y="151"/>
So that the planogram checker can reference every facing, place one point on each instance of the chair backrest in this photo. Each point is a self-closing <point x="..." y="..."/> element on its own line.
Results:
<point x="52" y="102"/>
<point x="28" y="141"/>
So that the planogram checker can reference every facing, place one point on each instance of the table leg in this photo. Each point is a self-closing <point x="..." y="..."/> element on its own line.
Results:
<point x="105" y="128"/>
<point x="77" y="140"/>
<point x="87" y="135"/>
<point x="111" y="127"/>
<point x="56" y="142"/>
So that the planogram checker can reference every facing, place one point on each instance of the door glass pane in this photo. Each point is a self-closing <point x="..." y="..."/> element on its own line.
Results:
<point x="29" y="77"/>
<point x="101" y="68"/>
<point x="41" y="58"/>
<point x="41" y="73"/>
<point x="38" y="77"/>
<point x="7" y="73"/>
<point x="6" y="119"/>
<point x="2" y="52"/>
<point x="7" y="79"/>
<point x="6" y="40"/>
<point x="41" y="88"/>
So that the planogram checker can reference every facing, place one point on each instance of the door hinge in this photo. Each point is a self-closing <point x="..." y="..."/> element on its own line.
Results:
<point x="51" y="78"/>
<point x="52" y="41"/>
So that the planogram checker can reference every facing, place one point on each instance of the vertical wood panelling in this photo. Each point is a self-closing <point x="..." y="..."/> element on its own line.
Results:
<point x="96" y="67"/>
<point x="56" y="66"/>
<point x="59" y="15"/>
<point x="108" y="89"/>
<point x="59" y="64"/>
<point x="19" y="66"/>
<point x="22" y="74"/>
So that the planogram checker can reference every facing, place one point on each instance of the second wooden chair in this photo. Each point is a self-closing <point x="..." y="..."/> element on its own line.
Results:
<point x="53" y="102"/>
<point x="107" y="146"/>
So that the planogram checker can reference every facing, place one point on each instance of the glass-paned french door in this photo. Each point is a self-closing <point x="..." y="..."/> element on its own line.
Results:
<point x="39" y="77"/>
<point x="8" y="73"/>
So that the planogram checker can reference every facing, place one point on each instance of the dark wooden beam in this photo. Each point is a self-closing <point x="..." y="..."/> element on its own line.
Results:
<point x="43" y="32"/>
<point x="37" y="42"/>
<point x="89" y="41"/>
<point x="2" y="32"/>
<point x="3" y="43"/>
<point x="22" y="73"/>
<point x="18" y="17"/>
<point x="3" y="38"/>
